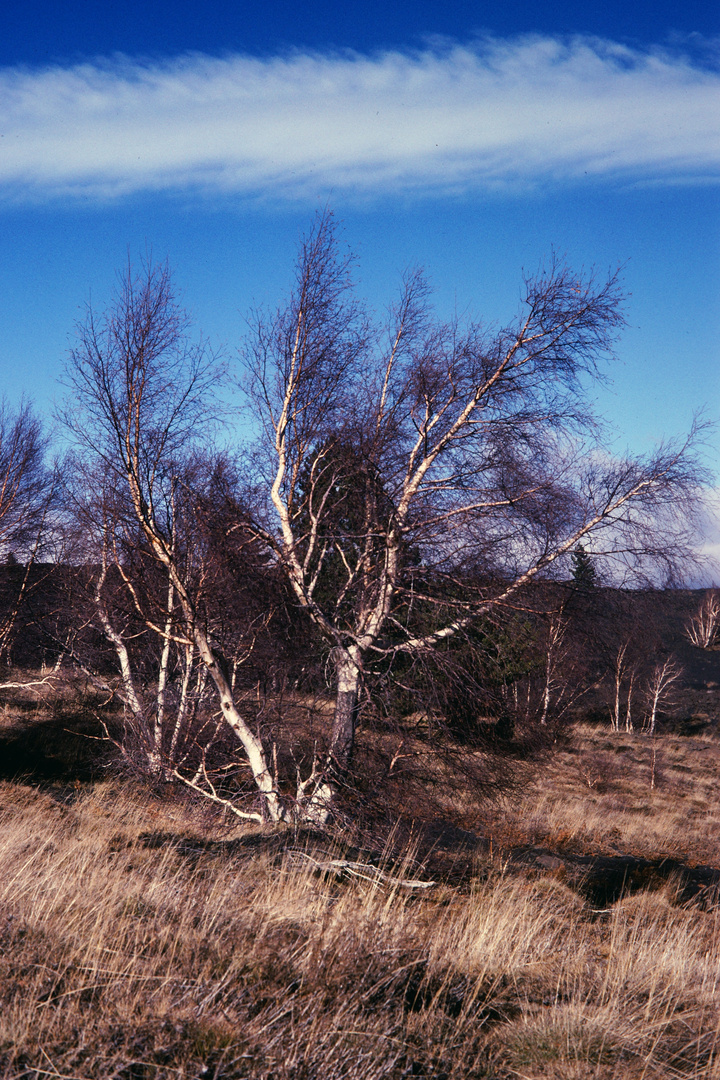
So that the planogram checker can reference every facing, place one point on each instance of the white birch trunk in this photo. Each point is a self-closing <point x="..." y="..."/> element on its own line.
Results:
<point x="629" y="726"/>
<point x="349" y="670"/>
<point x="162" y="676"/>
<point x="183" y="702"/>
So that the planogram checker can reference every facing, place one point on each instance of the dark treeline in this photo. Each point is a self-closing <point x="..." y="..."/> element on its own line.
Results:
<point x="423" y="538"/>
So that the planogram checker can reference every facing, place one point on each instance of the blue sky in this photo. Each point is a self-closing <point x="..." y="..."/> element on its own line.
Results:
<point x="466" y="137"/>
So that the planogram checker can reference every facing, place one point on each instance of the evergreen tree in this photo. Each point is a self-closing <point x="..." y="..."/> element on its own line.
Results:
<point x="584" y="576"/>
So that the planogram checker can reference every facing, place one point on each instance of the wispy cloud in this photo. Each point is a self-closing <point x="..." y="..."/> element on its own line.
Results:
<point x="518" y="112"/>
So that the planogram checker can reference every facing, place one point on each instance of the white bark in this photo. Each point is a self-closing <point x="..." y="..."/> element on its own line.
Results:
<point x="702" y="629"/>
<point x="182" y="707"/>
<point x="163" y="673"/>
<point x="619" y="670"/>
<point x="629" y="727"/>
<point x="661" y="681"/>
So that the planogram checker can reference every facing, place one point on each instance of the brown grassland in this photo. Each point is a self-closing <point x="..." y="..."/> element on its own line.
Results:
<point x="571" y="930"/>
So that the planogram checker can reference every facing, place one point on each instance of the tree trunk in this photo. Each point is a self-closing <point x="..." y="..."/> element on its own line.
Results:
<point x="616" y="712"/>
<point x="629" y="726"/>
<point x="183" y="703"/>
<point x="162" y="681"/>
<point x="546" y="691"/>
<point x="653" y="714"/>
<point x="252" y="745"/>
<point x="346" y="707"/>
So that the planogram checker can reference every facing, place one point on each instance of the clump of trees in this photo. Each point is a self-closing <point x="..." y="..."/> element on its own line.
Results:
<point x="413" y="493"/>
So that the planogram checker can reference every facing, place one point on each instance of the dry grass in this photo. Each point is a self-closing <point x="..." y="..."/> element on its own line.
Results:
<point x="596" y="793"/>
<point x="142" y="938"/>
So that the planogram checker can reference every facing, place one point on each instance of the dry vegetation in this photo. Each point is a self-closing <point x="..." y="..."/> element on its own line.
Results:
<point x="605" y="793"/>
<point x="572" y="931"/>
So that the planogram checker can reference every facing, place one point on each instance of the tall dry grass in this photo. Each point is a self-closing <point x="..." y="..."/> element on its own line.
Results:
<point x="139" y="938"/>
<point x="602" y="791"/>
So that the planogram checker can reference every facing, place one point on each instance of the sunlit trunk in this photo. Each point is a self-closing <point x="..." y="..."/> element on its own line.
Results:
<point x="546" y="690"/>
<point x="182" y="708"/>
<point x="652" y="718"/>
<point x="162" y="678"/>
<point x="251" y="743"/>
<point x="346" y="707"/>
<point x="629" y="726"/>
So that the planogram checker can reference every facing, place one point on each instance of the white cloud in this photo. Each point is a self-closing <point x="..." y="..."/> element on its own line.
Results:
<point x="526" y="111"/>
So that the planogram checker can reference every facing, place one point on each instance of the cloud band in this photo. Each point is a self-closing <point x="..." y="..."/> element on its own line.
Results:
<point x="447" y="119"/>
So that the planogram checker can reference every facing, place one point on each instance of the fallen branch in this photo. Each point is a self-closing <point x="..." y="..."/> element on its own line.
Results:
<point x="28" y="685"/>
<point x="365" y="871"/>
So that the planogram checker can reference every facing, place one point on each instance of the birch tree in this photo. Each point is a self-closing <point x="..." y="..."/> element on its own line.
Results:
<point x="474" y="448"/>
<point x="141" y="407"/>
<point x="661" y="682"/>
<point x="702" y="629"/>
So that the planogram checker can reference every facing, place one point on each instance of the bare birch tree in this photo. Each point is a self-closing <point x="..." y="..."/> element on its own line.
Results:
<point x="702" y="629"/>
<point x="661" y="682"/>
<point x="141" y="406"/>
<point x="475" y="449"/>
<point x="624" y="672"/>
